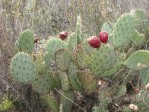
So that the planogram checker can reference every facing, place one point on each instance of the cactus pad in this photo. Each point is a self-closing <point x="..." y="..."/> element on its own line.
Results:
<point x="73" y="77"/>
<point x="53" y="45"/>
<point x="79" y="30"/>
<point x="107" y="27"/>
<point x="72" y="42"/>
<point x="142" y="20"/>
<point x="137" y="39"/>
<point x="22" y="68"/>
<point x="63" y="59"/>
<point x="88" y="81"/>
<point x="42" y="83"/>
<point x="116" y="67"/>
<point x="144" y="76"/>
<point x="51" y="101"/>
<point x="123" y="31"/>
<point x="119" y="91"/>
<point x="38" y="60"/>
<point x="64" y="81"/>
<point x="87" y="48"/>
<point x="103" y="60"/>
<point x="138" y="60"/>
<point x="80" y="57"/>
<point x="26" y="42"/>
<point x="47" y="59"/>
<point x="67" y="100"/>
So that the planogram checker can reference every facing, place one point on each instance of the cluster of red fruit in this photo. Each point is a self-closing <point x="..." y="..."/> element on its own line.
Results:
<point x="95" y="41"/>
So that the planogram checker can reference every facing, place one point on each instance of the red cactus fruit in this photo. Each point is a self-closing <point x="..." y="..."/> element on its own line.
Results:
<point x="63" y="35"/>
<point x="103" y="36"/>
<point x="94" y="42"/>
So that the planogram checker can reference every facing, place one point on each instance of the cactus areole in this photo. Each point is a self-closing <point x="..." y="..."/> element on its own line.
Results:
<point x="94" y="42"/>
<point x="103" y="36"/>
<point x="63" y="35"/>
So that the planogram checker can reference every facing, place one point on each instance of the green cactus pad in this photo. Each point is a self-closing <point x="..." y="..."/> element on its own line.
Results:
<point x="142" y="20"/>
<point x="88" y="81"/>
<point x="26" y="41"/>
<point x="52" y="102"/>
<point x="142" y="100"/>
<point x="105" y="99"/>
<point x="103" y="60"/>
<point x="123" y="31"/>
<point x="63" y="59"/>
<point x="73" y="77"/>
<point x="67" y="100"/>
<point x="81" y="58"/>
<point x="122" y="56"/>
<point x="110" y="39"/>
<point x="72" y="42"/>
<point x="42" y="84"/>
<point x="137" y="39"/>
<point x="47" y="59"/>
<point x="22" y="68"/>
<point x="53" y="45"/>
<point x="38" y="61"/>
<point x="79" y="30"/>
<point x="119" y="91"/>
<point x="64" y="81"/>
<point x="87" y="48"/>
<point x="116" y="67"/>
<point x="138" y="60"/>
<point x="107" y="27"/>
<point x="144" y="76"/>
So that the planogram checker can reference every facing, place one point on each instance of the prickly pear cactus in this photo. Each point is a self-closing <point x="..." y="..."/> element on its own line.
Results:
<point x="117" y="66"/>
<point x="73" y="77"/>
<point x="107" y="27"/>
<point x="38" y="61"/>
<point x="63" y="59"/>
<point x="119" y="91"/>
<point x="73" y="65"/>
<point x="23" y="68"/>
<point x="81" y="58"/>
<point x="72" y="42"/>
<point x="123" y="31"/>
<point x="138" y="60"/>
<point x="142" y="20"/>
<point x="144" y="76"/>
<point x="88" y="81"/>
<point x="51" y="102"/>
<point x="79" y="30"/>
<point x="42" y="84"/>
<point x="67" y="100"/>
<point x="53" y="45"/>
<point x="138" y="39"/>
<point x="64" y="81"/>
<point x="26" y="42"/>
<point x="103" y="59"/>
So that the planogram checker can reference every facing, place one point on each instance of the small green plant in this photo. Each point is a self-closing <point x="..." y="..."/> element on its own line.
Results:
<point x="76" y="63"/>
<point x="6" y="104"/>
